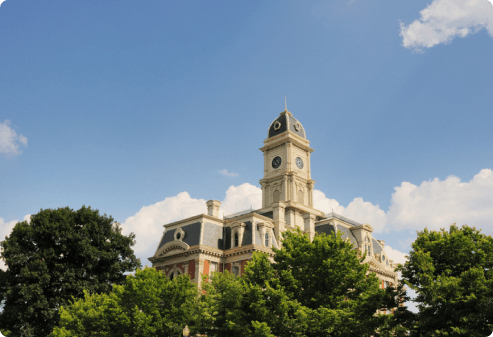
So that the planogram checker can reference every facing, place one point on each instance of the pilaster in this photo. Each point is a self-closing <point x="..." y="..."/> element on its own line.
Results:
<point x="199" y="269"/>
<point x="309" y="220"/>
<point x="279" y="209"/>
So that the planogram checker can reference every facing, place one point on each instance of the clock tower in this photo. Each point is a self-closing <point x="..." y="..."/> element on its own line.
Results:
<point x="287" y="186"/>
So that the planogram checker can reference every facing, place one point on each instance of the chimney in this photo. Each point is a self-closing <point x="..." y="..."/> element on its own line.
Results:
<point x="213" y="208"/>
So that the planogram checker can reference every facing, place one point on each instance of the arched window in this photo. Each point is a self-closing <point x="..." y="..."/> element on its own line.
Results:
<point x="266" y="239"/>
<point x="300" y="197"/>
<point x="236" y="240"/>
<point x="276" y="196"/>
<point x="174" y="274"/>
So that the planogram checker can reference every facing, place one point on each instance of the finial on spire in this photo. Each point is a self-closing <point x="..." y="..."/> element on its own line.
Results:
<point x="285" y="105"/>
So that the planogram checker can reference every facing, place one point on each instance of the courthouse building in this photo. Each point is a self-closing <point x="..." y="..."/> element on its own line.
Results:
<point x="206" y="243"/>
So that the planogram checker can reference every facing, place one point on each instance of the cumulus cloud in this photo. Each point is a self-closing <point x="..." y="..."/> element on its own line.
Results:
<point x="147" y="223"/>
<point x="1" y="5"/>
<point x="6" y="229"/>
<point x="443" y="20"/>
<point x="357" y="210"/>
<point x="395" y="255"/>
<point x="242" y="197"/>
<point x="228" y="174"/>
<point x="436" y="204"/>
<point x="10" y="140"/>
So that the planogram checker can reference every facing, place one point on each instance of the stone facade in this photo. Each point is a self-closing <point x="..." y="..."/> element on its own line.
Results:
<point x="207" y="242"/>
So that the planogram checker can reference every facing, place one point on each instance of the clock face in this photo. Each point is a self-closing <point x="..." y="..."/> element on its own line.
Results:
<point x="299" y="162"/>
<point x="276" y="162"/>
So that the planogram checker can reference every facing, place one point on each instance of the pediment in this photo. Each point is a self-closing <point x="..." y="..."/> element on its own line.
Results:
<point x="171" y="248"/>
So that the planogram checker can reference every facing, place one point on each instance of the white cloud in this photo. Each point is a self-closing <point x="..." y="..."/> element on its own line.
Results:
<point x="1" y="5"/>
<point x="6" y="229"/>
<point x="434" y="204"/>
<point x="395" y="255"/>
<point x="437" y="204"/>
<point x="147" y="223"/>
<point x="228" y="174"/>
<point x="443" y="20"/>
<point x="9" y="140"/>
<point x="241" y="197"/>
<point x="357" y="210"/>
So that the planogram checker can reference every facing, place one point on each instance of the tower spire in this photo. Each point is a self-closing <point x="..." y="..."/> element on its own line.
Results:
<point x="285" y="105"/>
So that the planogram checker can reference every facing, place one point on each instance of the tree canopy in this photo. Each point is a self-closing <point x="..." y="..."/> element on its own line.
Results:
<point x="317" y="288"/>
<point x="55" y="257"/>
<point x="147" y="305"/>
<point x="452" y="274"/>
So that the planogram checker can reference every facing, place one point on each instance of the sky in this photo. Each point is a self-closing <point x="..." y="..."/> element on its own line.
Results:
<point x="145" y="110"/>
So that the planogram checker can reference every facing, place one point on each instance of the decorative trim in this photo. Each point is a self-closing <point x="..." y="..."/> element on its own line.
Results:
<point x="179" y="234"/>
<point x="170" y="246"/>
<point x="277" y="125"/>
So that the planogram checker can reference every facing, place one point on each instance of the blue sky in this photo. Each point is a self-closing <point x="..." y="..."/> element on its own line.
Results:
<point x="136" y="107"/>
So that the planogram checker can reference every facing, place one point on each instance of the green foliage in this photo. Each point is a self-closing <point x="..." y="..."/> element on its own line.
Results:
<point x="452" y="274"/>
<point x="147" y="305"/>
<point x="57" y="256"/>
<point x="317" y="288"/>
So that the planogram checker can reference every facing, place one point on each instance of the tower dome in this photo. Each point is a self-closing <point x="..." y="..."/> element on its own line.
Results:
<point x="286" y="122"/>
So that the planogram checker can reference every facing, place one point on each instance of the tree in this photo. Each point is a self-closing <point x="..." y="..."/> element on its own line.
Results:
<point x="147" y="305"/>
<point x="317" y="288"/>
<point x="452" y="274"/>
<point x="55" y="257"/>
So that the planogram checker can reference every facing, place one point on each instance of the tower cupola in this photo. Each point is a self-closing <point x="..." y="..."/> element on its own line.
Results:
<point x="286" y="122"/>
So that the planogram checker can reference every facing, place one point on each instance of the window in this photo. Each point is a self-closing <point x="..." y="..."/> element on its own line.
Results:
<point x="266" y="239"/>
<point x="236" y="270"/>
<point x="174" y="274"/>
<point x="300" y="197"/>
<point x="236" y="240"/>
<point x="213" y="267"/>
<point x="276" y="196"/>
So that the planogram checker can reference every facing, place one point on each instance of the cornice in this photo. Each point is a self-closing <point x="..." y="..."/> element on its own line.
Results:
<point x="244" y="217"/>
<point x="303" y="208"/>
<point x="364" y="226"/>
<point x="199" y="249"/>
<point x="377" y="267"/>
<point x="286" y="137"/>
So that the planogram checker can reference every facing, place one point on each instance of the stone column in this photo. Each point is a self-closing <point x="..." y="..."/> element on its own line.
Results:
<point x="310" y="193"/>
<point x="199" y="269"/>
<point x="309" y="220"/>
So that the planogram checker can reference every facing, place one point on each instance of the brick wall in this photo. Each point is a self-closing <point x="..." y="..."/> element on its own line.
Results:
<point x="206" y="268"/>
<point x="191" y="269"/>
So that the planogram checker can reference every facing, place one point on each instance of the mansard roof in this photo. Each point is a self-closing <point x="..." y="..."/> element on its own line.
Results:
<point x="286" y="122"/>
